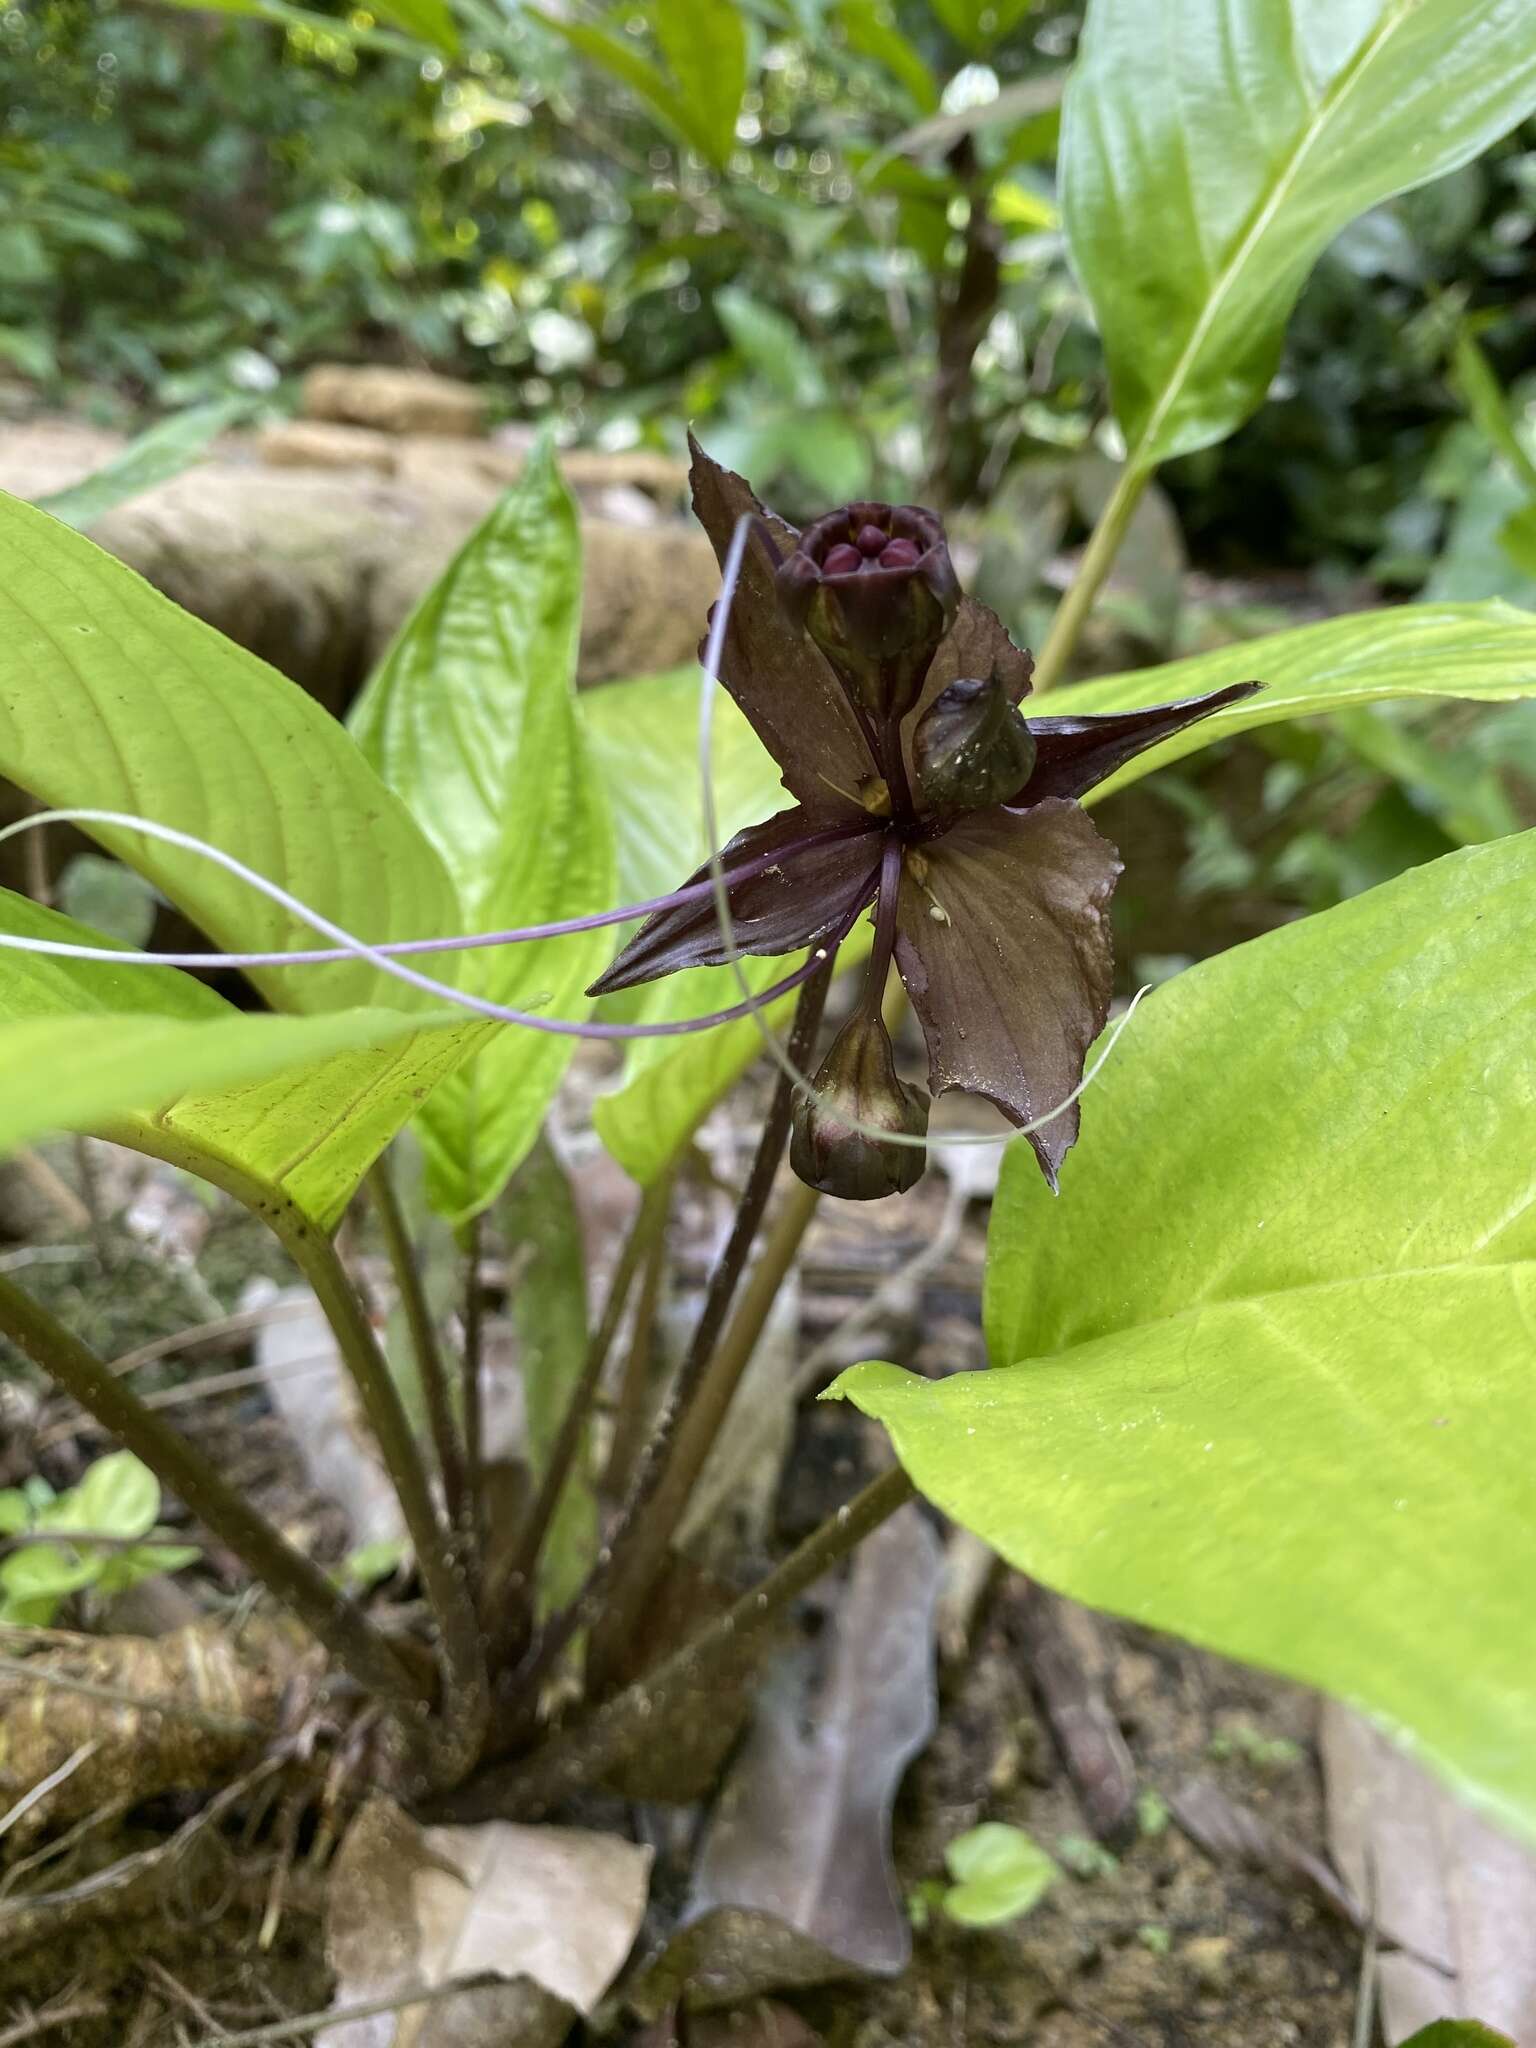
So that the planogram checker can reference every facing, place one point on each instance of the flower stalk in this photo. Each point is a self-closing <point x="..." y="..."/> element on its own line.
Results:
<point x="1104" y="543"/>
<point x="617" y="1587"/>
<point x="612" y="1733"/>
<point x="466" y="1690"/>
<point x="428" y="1351"/>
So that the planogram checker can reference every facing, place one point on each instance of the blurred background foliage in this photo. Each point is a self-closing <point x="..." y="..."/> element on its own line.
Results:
<point x="826" y="233"/>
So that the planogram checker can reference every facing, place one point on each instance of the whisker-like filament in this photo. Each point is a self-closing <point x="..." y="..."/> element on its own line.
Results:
<point x="395" y="949"/>
<point x="349" y="946"/>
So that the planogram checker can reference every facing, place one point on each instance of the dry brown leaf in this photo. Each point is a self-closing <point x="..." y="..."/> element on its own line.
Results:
<point x="795" y="1884"/>
<point x="554" y="1911"/>
<point x="1229" y="1832"/>
<point x="1443" y="1883"/>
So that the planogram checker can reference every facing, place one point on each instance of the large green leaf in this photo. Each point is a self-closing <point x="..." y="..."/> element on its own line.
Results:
<point x="112" y="697"/>
<point x="1212" y="148"/>
<point x="471" y="718"/>
<point x="116" y="1073"/>
<point x="154" y="457"/>
<point x="1278" y="1327"/>
<point x="307" y="1132"/>
<point x="644" y="737"/>
<point x="1482" y="651"/>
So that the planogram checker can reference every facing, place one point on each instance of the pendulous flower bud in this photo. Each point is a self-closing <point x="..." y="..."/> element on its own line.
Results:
<point x="858" y="1084"/>
<point x="971" y="749"/>
<point x="874" y="587"/>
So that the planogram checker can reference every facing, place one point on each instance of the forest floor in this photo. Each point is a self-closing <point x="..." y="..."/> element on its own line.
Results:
<point x="1154" y="1944"/>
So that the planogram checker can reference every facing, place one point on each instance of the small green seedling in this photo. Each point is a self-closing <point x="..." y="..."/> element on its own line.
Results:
<point x="1086" y="1858"/>
<point x="1264" y="1752"/>
<point x="1000" y="1873"/>
<point x="372" y="1563"/>
<point x="1152" y="1814"/>
<point x="118" y="1500"/>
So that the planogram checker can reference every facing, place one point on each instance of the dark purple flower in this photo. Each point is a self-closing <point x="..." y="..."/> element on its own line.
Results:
<point x="890" y="703"/>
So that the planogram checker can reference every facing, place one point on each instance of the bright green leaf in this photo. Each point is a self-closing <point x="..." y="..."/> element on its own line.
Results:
<point x="1481" y="651"/>
<point x="1000" y="1874"/>
<point x="118" y="1570"/>
<point x="1211" y="149"/>
<point x="1277" y="1327"/>
<point x="704" y="43"/>
<point x="308" y="1132"/>
<point x="1458" y="2034"/>
<point x="113" y="697"/>
<point x="34" y="1580"/>
<point x="470" y="718"/>
<point x="112" y="1073"/>
<point x="118" y="1496"/>
<point x="163" y="451"/>
<point x="1017" y="206"/>
<point x="371" y="1563"/>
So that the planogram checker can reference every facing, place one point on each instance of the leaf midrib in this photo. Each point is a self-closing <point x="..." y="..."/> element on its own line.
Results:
<point x="1325" y="110"/>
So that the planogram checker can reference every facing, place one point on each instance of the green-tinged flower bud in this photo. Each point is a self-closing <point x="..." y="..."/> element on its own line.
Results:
<point x="874" y="587"/>
<point x="858" y="1084"/>
<point x="971" y="749"/>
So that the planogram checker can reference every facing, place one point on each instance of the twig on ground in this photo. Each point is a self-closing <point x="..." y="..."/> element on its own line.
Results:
<point x="44" y="1786"/>
<point x="1068" y="1666"/>
<point x="32" y="2025"/>
<point x="179" y="1992"/>
<point x="243" y="1322"/>
<point x="306" y="2024"/>
<point x="60" y="1846"/>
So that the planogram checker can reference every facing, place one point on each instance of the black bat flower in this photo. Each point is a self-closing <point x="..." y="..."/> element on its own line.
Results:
<point x="889" y="701"/>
